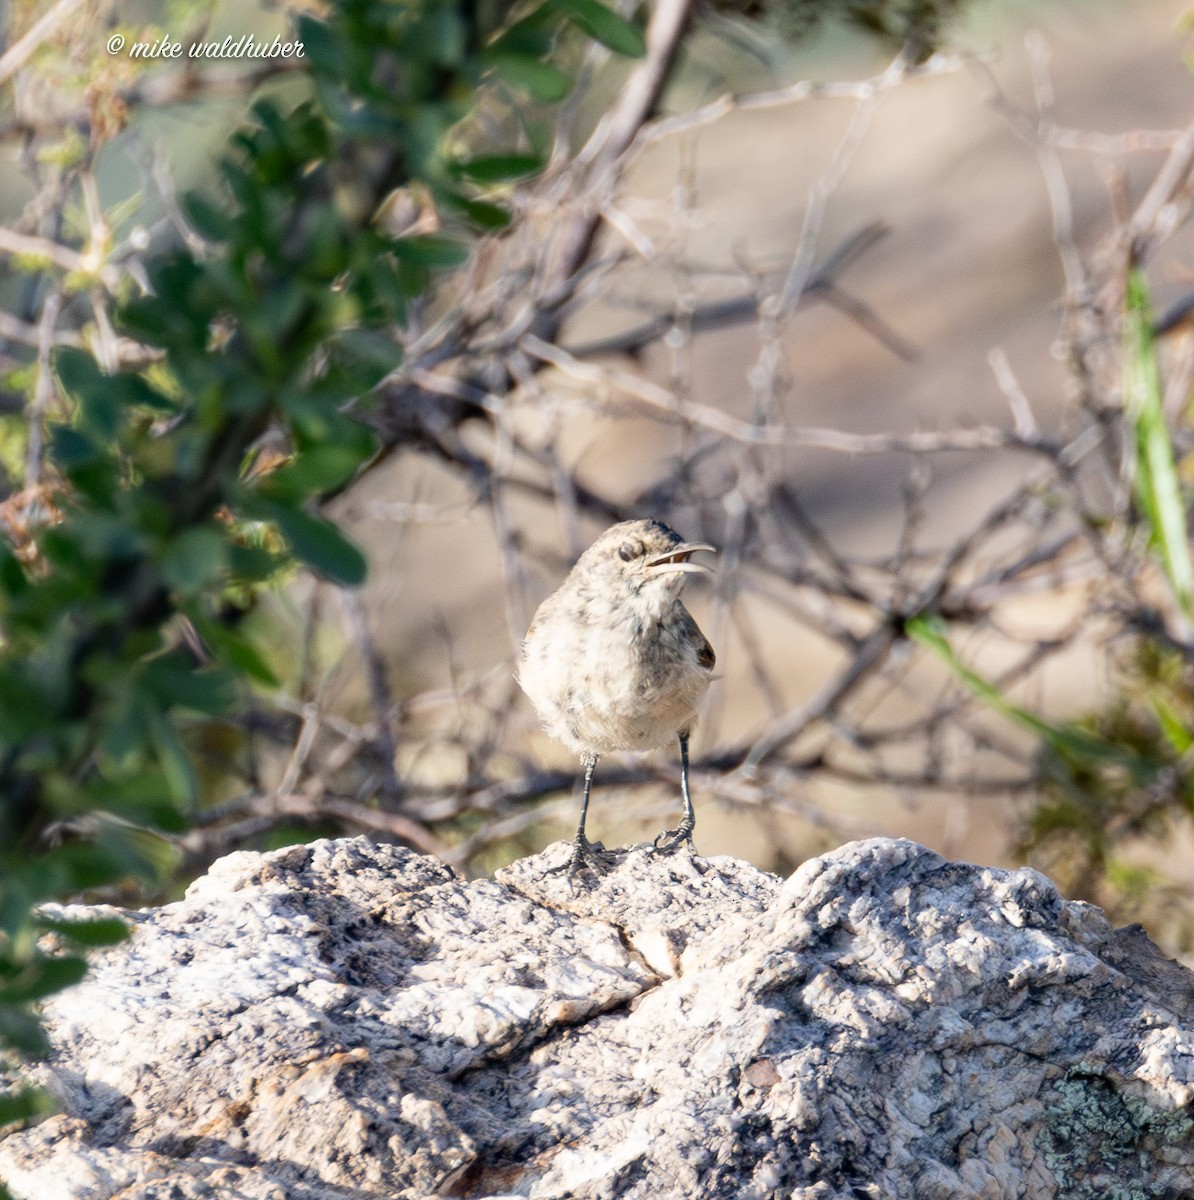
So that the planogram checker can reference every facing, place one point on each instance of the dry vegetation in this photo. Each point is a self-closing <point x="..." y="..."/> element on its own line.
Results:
<point x="908" y="669"/>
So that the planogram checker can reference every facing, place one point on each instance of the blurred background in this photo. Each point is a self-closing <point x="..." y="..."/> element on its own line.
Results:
<point x="850" y="306"/>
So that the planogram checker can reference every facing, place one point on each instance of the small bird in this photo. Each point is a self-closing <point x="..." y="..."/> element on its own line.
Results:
<point x="614" y="661"/>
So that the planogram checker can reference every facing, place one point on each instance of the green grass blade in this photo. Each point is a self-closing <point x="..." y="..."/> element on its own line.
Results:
<point x="1157" y="491"/>
<point x="1070" y="741"/>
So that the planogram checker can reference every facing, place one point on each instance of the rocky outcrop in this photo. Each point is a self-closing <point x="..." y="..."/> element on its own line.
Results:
<point x="350" y="1020"/>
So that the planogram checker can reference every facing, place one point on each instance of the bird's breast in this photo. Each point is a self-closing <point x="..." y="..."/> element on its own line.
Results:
<point x="625" y="678"/>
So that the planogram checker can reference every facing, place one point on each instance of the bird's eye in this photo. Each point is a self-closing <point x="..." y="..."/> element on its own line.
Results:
<point x="629" y="550"/>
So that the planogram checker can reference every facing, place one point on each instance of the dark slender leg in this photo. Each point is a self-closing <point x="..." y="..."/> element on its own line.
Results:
<point x="582" y="849"/>
<point x="669" y="839"/>
<point x="589" y="762"/>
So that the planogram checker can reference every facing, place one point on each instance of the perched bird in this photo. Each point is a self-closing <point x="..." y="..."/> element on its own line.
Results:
<point x="614" y="661"/>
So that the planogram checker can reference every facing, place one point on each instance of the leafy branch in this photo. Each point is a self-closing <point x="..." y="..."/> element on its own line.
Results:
<point x="122" y="618"/>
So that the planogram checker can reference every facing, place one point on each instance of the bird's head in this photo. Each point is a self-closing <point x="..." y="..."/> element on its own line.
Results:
<point x="645" y="555"/>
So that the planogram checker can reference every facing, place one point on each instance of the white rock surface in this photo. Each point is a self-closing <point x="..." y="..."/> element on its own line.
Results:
<point x="344" y="1020"/>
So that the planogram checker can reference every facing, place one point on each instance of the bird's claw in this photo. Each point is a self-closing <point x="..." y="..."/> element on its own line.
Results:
<point x="584" y="854"/>
<point x="673" y="839"/>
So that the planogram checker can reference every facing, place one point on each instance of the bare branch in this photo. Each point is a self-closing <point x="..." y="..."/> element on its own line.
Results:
<point x="20" y="52"/>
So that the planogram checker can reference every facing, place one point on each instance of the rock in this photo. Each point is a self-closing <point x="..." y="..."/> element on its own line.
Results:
<point x="351" y="1020"/>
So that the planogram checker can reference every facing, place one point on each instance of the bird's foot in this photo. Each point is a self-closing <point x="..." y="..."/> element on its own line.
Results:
<point x="673" y="839"/>
<point x="585" y="854"/>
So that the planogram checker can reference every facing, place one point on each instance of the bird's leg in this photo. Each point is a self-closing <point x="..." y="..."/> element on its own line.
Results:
<point x="669" y="839"/>
<point x="582" y="849"/>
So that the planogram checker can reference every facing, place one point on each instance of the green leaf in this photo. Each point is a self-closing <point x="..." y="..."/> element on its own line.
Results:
<point x="183" y="321"/>
<point x="144" y="797"/>
<point x="253" y="564"/>
<point x="209" y="220"/>
<point x="70" y="450"/>
<point x="174" y="681"/>
<point x="531" y="34"/>
<point x="496" y="168"/>
<point x="603" y="25"/>
<point x="137" y="852"/>
<point x="173" y="758"/>
<point x="314" y="472"/>
<point x="378" y="354"/>
<point x="75" y="867"/>
<point x="446" y="36"/>
<point x="102" y="537"/>
<point x="431" y="251"/>
<point x="315" y="422"/>
<point x="322" y="46"/>
<point x="23" y="1105"/>
<point x="317" y="542"/>
<point x="91" y="931"/>
<point x="239" y="651"/>
<point x="23" y="1032"/>
<point x="195" y="559"/>
<point x="80" y="375"/>
<point x="480" y="212"/>
<point x="542" y="81"/>
<point x="13" y="580"/>
<point x="43" y="977"/>
<point x="103" y="399"/>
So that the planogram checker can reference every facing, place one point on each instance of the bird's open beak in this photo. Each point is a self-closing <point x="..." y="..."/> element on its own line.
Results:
<point x="676" y="559"/>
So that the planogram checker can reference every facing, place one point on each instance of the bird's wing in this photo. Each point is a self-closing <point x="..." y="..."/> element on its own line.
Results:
<point x="705" y="655"/>
<point x="704" y="651"/>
